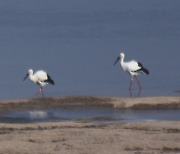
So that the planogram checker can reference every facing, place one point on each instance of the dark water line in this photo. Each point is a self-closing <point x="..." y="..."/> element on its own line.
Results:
<point x="89" y="115"/>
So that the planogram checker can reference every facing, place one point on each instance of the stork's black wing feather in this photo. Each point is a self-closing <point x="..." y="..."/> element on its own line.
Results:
<point x="49" y="80"/>
<point x="142" y="68"/>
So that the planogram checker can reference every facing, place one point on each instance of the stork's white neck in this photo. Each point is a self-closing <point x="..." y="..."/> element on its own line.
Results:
<point x="122" y="59"/>
<point x="32" y="78"/>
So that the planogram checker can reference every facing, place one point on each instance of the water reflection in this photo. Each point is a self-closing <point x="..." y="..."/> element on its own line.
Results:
<point x="38" y="114"/>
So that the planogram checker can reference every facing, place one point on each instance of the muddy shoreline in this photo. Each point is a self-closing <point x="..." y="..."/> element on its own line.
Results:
<point x="71" y="102"/>
<point x="89" y="138"/>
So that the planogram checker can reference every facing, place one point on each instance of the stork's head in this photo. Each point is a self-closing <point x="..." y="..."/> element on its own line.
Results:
<point x="30" y="72"/>
<point x="122" y="55"/>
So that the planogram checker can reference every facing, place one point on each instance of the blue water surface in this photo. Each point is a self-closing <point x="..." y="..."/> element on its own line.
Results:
<point x="77" y="42"/>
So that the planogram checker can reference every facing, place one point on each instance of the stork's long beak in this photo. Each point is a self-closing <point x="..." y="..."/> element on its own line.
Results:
<point x="116" y="61"/>
<point x="26" y="76"/>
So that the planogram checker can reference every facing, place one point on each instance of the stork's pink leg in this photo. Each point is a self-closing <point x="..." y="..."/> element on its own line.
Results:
<point x="138" y="83"/>
<point x="130" y="85"/>
<point x="42" y="91"/>
<point x="39" y="91"/>
<point x="130" y="93"/>
<point x="139" y="92"/>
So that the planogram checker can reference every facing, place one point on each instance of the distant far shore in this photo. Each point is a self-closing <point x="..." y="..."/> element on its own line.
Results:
<point x="71" y="102"/>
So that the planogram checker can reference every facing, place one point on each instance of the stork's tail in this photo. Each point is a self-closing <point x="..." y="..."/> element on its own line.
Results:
<point x="144" y="70"/>
<point x="49" y="80"/>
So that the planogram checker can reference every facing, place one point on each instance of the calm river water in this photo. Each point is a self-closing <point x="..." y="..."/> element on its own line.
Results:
<point x="77" y="42"/>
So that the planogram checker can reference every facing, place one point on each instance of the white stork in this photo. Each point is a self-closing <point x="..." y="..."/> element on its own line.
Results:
<point x="132" y="67"/>
<point x="41" y="78"/>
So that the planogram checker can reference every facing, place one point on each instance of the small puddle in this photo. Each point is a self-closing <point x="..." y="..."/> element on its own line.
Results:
<point x="89" y="115"/>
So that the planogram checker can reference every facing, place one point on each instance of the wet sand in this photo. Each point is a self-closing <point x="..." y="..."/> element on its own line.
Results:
<point x="88" y="138"/>
<point x="92" y="102"/>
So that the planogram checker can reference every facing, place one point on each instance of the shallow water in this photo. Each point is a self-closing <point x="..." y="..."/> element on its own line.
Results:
<point x="89" y="115"/>
<point x="77" y="42"/>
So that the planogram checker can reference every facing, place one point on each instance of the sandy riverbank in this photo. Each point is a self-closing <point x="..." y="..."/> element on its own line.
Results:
<point x="85" y="138"/>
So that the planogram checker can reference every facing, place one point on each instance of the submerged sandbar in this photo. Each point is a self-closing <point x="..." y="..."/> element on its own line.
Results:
<point x="71" y="102"/>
